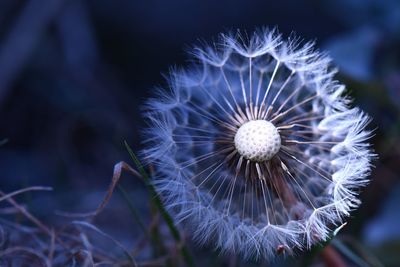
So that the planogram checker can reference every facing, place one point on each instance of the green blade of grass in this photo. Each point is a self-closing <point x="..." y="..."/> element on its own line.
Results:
<point x="158" y="203"/>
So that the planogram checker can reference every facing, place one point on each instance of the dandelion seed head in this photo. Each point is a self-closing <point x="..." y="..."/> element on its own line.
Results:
<point x="256" y="148"/>
<point x="257" y="140"/>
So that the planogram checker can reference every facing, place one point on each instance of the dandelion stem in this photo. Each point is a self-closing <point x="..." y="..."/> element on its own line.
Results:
<point x="332" y="258"/>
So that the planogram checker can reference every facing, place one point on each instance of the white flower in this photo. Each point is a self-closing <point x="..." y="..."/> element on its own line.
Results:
<point x="255" y="147"/>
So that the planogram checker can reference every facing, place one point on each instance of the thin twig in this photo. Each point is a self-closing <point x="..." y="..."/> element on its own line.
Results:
<point x="26" y="250"/>
<point x="114" y="181"/>
<point x="32" y="188"/>
<point x="27" y="214"/>
<point x="52" y="247"/>
<point x="116" y="176"/>
<point x="94" y="228"/>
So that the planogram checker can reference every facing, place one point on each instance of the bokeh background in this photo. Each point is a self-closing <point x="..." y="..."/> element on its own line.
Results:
<point x="74" y="75"/>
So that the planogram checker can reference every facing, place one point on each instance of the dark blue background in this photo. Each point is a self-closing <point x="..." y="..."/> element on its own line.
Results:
<point x="74" y="75"/>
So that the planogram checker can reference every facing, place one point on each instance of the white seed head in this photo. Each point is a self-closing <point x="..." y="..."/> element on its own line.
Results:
<point x="257" y="140"/>
<point x="224" y="170"/>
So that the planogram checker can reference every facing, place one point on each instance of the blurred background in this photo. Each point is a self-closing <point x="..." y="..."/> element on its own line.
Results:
<point x="74" y="75"/>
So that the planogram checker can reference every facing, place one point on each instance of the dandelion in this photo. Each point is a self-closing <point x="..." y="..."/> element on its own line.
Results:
<point x="255" y="146"/>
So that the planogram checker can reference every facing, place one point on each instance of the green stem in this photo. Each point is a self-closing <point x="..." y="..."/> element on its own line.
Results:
<point x="157" y="201"/>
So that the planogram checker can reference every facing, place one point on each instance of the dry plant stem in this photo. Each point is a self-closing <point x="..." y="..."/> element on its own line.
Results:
<point x="139" y="246"/>
<point x="9" y="210"/>
<point x="29" y="216"/>
<point x="83" y="255"/>
<point x="34" y="220"/>
<point x="332" y="258"/>
<point x="116" y="176"/>
<point x="32" y="188"/>
<point x="118" y="168"/>
<point x="117" y="243"/>
<point x="52" y="247"/>
<point x="26" y="250"/>
<point x="114" y="181"/>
